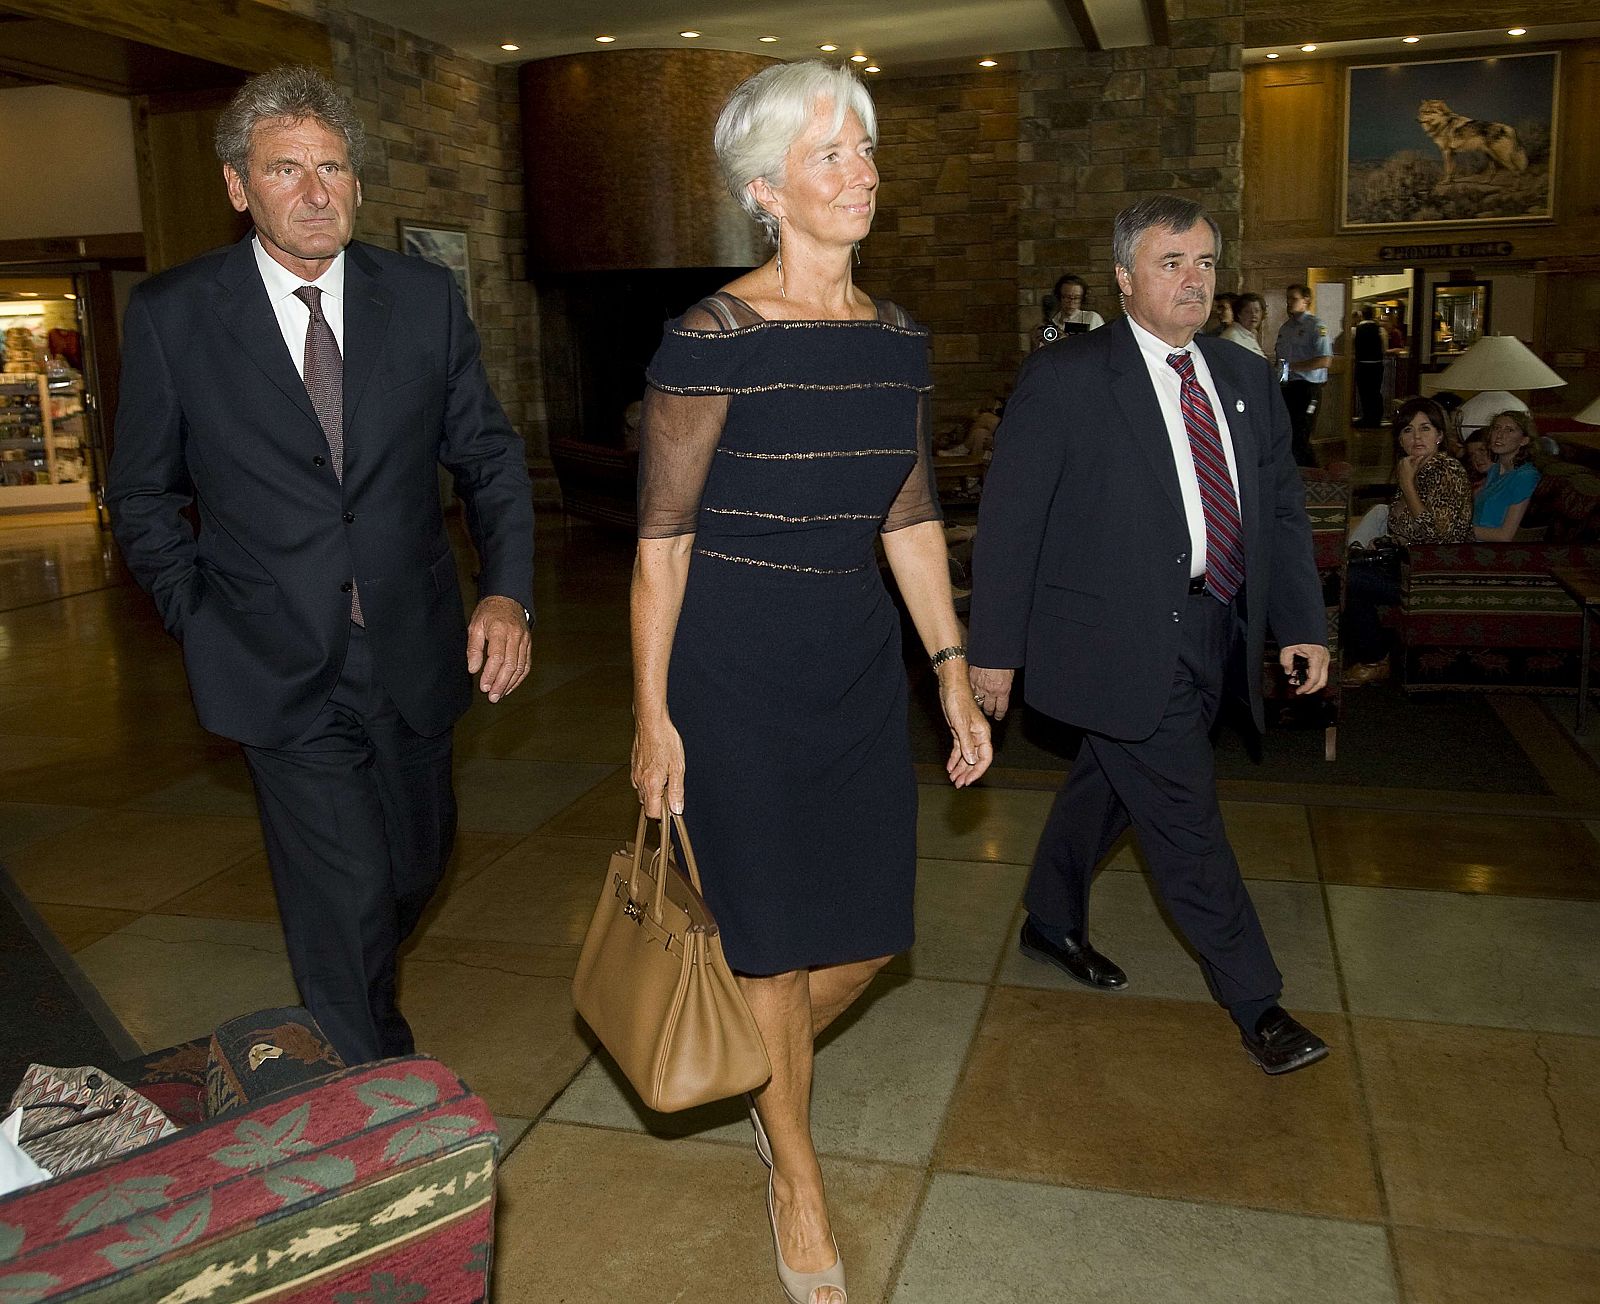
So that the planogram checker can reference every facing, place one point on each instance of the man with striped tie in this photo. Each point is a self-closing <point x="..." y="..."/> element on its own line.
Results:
<point x="1143" y="524"/>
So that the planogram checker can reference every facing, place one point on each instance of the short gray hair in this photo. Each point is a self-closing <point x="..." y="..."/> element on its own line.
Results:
<point x="295" y="94"/>
<point x="766" y="114"/>
<point x="1168" y="212"/>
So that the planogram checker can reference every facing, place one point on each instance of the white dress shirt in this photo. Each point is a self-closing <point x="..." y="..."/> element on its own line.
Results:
<point x="292" y="314"/>
<point x="1169" y="388"/>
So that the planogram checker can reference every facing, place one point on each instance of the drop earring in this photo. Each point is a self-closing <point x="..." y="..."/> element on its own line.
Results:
<point x="857" y="247"/>
<point x="782" y="293"/>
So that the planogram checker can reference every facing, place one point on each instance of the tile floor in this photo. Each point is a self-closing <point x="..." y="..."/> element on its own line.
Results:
<point x="989" y="1131"/>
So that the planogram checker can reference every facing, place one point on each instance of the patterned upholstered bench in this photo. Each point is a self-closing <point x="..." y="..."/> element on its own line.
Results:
<point x="374" y="1183"/>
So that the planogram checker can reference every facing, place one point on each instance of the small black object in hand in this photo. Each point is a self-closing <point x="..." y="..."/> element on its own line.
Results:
<point x="1299" y="668"/>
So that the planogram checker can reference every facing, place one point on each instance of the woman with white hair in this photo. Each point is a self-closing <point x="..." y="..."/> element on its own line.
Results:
<point x="785" y="430"/>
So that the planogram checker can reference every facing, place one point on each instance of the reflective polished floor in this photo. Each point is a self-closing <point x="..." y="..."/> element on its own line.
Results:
<point x="988" y="1131"/>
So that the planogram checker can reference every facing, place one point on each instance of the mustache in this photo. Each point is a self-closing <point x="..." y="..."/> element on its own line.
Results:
<point x="1193" y="298"/>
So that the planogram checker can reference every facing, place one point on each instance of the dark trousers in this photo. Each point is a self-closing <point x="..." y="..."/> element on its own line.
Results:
<point x="1165" y="787"/>
<point x="1369" y="390"/>
<point x="1302" y="397"/>
<point x="358" y="817"/>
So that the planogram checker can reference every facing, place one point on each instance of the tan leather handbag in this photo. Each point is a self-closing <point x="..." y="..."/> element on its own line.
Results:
<point x="653" y="984"/>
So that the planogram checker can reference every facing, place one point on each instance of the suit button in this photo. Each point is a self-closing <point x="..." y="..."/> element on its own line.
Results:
<point x="347" y="586"/>
<point x="1181" y="558"/>
<point x="319" y="461"/>
<point x="1175" y="618"/>
<point x="349" y="517"/>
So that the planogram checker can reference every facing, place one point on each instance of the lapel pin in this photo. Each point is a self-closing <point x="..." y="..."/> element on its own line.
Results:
<point x="1238" y="405"/>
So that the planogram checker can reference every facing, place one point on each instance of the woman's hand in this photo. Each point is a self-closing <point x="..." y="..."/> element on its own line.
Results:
<point x="972" y="751"/>
<point x="658" y="765"/>
<point x="1405" y="470"/>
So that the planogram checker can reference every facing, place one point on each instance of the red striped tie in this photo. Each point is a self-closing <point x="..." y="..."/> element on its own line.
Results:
<point x="1224" y="534"/>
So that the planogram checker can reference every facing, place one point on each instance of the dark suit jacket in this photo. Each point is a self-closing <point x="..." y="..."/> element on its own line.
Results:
<point x="213" y="412"/>
<point x="1081" y="567"/>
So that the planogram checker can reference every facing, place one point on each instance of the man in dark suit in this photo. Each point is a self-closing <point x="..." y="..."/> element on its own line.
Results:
<point x="299" y="391"/>
<point x="1143" y="523"/>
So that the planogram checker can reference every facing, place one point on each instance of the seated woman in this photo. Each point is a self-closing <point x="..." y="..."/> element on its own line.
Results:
<point x="1433" y="505"/>
<point x="1475" y="456"/>
<point x="1500" y="504"/>
<point x="1249" y="311"/>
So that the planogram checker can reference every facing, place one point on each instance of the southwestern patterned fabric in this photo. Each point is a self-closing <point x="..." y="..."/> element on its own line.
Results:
<point x="372" y="1186"/>
<point x="174" y="1078"/>
<point x="252" y="1057"/>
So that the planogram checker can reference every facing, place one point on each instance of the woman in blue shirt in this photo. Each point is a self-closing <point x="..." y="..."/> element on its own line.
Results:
<point x="1501" y="502"/>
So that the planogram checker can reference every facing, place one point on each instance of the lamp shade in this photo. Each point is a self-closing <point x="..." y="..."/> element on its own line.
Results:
<point x="1499" y="362"/>
<point x="1590" y="416"/>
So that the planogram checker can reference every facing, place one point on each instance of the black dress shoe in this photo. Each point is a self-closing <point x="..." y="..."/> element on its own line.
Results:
<point x="1281" y="1043"/>
<point x="1074" y="957"/>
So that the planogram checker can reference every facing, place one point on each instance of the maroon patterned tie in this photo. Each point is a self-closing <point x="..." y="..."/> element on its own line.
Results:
<point x="324" y="377"/>
<point x="1224" y="533"/>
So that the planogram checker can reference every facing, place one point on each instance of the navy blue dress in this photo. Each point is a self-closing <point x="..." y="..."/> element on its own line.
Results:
<point x="785" y="447"/>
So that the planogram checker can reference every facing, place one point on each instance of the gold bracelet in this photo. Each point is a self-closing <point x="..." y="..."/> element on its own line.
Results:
<point x="948" y="654"/>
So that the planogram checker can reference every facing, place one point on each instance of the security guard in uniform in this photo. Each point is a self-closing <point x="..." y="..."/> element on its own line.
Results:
<point x="1303" y="359"/>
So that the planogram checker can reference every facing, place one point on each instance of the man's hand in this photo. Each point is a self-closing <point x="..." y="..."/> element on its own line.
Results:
<point x="1316" y="666"/>
<point x="992" y="689"/>
<point x="499" y="644"/>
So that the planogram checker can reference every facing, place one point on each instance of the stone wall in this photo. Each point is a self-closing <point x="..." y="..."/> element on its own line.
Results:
<point x="1099" y="130"/>
<point x="995" y="183"/>
<point x="944" y="242"/>
<point x="444" y="147"/>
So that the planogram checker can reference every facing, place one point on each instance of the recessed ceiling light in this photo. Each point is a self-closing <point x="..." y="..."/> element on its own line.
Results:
<point x="987" y="63"/>
<point x="827" y="49"/>
<point x="872" y="67"/>
<point x="1410" y="40"/>
<point x="1272" y="56"/>
<point x="858" y="58"/>
<point x="1516" y="31"/>
<point x="688" y="36"/>
<point x="1307" y="49"/>
<point x="71" y="296"/>
<point x="767" y="40"/>
<point x="29" y="294"/>
<point x="509" y="45"/>
<point x="605" y="40"/>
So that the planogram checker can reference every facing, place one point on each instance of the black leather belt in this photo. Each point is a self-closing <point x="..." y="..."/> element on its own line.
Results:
<point x="1197" y="584"/>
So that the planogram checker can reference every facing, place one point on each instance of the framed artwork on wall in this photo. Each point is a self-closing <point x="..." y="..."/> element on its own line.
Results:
<point x="1450" y="142"/>
<point x="445" y="245"/>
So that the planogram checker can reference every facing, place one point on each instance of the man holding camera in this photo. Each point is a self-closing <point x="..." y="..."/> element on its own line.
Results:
<point x="1064" y="312"/>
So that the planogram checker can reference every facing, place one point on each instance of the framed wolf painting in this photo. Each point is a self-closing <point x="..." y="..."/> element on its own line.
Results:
<point x="1450" y="142"/>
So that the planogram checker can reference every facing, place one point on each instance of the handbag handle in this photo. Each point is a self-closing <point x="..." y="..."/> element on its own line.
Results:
<point x="658" y="898"/>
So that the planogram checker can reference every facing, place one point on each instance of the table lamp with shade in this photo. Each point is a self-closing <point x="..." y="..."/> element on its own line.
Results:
<point x="1590" y="416"/>
<point x="1497" y="366"/>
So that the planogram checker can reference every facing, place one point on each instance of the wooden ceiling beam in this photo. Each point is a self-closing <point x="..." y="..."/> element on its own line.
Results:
<point x="1289" y="22"/>
<point x="1076" y="13"/>
<point x="251" y="37"/>
<point x="1160" y="28"/>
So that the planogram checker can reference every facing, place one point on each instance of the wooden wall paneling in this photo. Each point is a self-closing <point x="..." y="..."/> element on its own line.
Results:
<point x="181" y="194"/>
<point x="1292" y="123"/>
<point x="1578" y="139"/>
<point x="618" y="166"/>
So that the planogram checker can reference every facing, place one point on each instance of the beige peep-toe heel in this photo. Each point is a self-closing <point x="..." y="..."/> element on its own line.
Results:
<point x="800" y="1287"/>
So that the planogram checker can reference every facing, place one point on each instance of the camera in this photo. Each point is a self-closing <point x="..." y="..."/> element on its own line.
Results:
<point x="1049" y="333"/>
